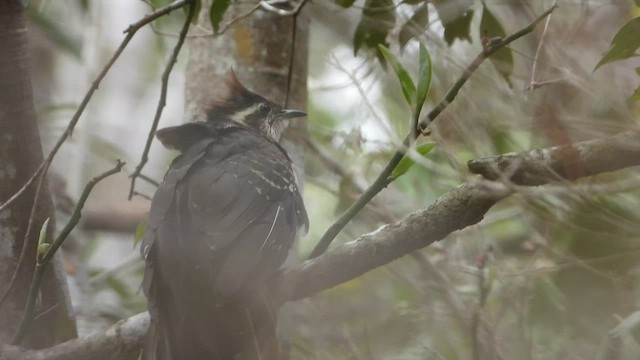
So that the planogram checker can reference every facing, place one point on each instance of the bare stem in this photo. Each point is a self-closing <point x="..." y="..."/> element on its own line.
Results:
<point x="163" y="96"/>
<point x="40" y="173"/>
<point x="383" y="179"/>
<point x="44" y="259"/>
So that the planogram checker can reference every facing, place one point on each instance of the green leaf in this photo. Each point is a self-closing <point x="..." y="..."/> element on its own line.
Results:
<point x="141" y="228"/>
<point x="416" y="2"/>
<point x="414" y="26"/>
<point x="345" y="3"/>
<point x="407" y="85"/>
<point x="459" y="28"/>
<point x="378" y="18"/>
<point x="501" y="59"/>
<point x="216" y="13"/>
<point x="196" y="13"/>
<point x="42" y="238"/>
<point x="407" y="162"/>
<point x="624" y="43"/>
<point x="424" y="79"/>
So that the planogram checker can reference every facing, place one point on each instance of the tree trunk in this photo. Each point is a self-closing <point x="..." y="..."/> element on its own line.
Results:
<point x="269" y="54"/>
<point x="20" y="156"/>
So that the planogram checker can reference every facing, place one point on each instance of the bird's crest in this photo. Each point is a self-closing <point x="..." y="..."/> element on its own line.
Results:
<point x="237" y="99"/>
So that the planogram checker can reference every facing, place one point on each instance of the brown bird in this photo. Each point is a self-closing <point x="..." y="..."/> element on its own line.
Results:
<point x="221" y="224"/>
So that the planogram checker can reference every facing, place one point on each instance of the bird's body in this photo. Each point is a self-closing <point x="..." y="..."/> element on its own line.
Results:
<point x="221" y="224"/>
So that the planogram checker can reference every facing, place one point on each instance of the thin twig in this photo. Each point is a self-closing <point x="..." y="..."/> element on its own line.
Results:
<point x="294" y="32"/>
<point x="483" y="293"/>
<point x="42" y="170"/>
<point x="533" y="83"/>
<point x="269" y="6"/>
<point x="130" y="31"/>
<point x="149" y="180"/>
<point x="163" y="96"/>
<point x="384" y="179"/>
<point x="44" y="259"/>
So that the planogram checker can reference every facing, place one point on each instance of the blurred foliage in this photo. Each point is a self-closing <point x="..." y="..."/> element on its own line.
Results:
<point x="624" y="44"/>
<point x="564" y="270"/>
<point x="563" y="275"/>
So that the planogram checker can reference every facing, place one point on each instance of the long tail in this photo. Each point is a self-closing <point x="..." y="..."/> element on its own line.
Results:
<point x="244" y="329"/>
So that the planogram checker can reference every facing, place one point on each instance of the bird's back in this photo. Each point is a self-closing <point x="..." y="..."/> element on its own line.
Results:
<point x="221" y="225"/>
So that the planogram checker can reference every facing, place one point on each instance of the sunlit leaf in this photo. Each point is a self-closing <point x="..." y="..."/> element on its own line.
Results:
<point x="216" y="13"/>
<point x="414" y="26"/>
<point x="407" y="85"/>
<point x="407" y="162"/>
<point x="624" y="43"/>
<point x="424" y="78"/>
<point x="491" y="27"/>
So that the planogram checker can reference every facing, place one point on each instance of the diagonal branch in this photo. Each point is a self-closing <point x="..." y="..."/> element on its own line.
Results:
<point x="163" y="95"/>
<point x="455" y="210"/>
<point x="40" y="173"/>
<point x="383" y="179"/>
<point x="568" y="162"/>
<point x="46" y="254"/>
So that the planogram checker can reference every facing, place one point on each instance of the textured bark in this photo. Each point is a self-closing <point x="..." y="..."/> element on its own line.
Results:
<point x="266" y="56"/>
<point x="259" y="49"/>
<point x="566" y="162"/>
<point x="122" y="341"/>
<point x="20" y="155"/>
<point x="455" y="210"/>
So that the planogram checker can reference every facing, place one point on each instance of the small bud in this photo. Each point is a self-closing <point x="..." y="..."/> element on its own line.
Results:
<point x="42" y="250"/>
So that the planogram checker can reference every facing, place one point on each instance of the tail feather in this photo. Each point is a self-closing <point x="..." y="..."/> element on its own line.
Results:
<point x="240" y="330"/>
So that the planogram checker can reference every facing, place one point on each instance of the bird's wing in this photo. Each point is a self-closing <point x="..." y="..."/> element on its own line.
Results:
<point x="244" y="209"/>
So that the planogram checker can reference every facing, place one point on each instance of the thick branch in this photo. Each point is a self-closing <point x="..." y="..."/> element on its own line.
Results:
<point x="568" y="162"/>
<point x="121" y="341"/>
<point x="455" y="210"/>
<point x="384" y="179"/>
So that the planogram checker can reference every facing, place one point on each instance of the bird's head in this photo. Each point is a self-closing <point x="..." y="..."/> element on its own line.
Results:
<point x="251" y="110"/>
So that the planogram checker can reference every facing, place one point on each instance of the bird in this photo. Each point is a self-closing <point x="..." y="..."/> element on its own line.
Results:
<point x="221" y="225"/>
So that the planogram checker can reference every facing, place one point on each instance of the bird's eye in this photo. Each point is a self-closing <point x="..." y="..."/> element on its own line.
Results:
<point x="264" y="108"/>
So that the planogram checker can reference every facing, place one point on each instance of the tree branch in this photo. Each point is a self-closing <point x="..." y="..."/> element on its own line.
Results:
<point x="45" y="254"/>
<point x="566" y="162"/>
<point x="121" y="341"/>
<point x="162" y="101"/>
<point x="41" y="171"/>
<point x="455" y="210"/>
<point x="383" y="179"/>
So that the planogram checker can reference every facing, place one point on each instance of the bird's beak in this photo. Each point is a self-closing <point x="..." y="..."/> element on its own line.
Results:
<point x="290" y="114"/>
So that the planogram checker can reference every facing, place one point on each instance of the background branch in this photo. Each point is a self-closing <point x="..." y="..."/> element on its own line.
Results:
<point x="568" y="162"/>
<point x="42" y="170"/>
<point x="162" y="101"/>
<point x="455" y="210"/>
<point x="45" y="255"/>
<point x="383" y="179"/>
